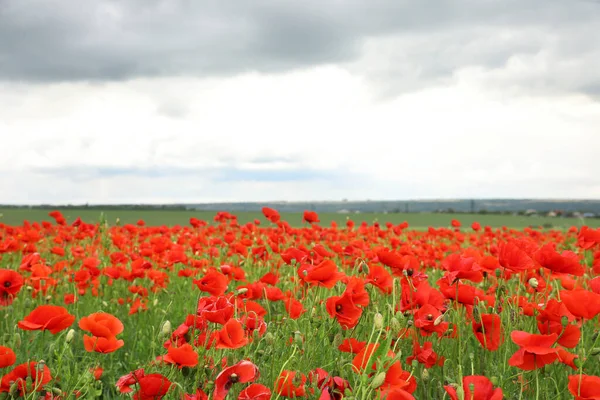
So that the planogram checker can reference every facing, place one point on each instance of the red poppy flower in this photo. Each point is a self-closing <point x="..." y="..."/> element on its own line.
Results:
<point x="462" y="266"/>
<point x="581" y="303"/>
<point x="584" y="387"/>
<point x="351" y="345"/>
<point x="213" y="282"/>
<point x="215" y="309"/>
<point x="102" y="344"/>
<point x="152" y="387"/>
<point x="10" y="284"/>
<point x="294" y="308"/>
<point x="232" y="336"/>
<point x="343" y="309"/>
<point x="565" y="263"/>
<point x="38" y="373"/>
<point x="7" y="357"/>
<point x="47" y="317"/>
<point x="550" y="320"/>
<point x="291" y="384"/>
<point x="489" y="331"/>
<point x="199" y="395"/>
<point x="256" y="391"/>
<point x="588" y="237"/>
<point x="310" y="217"/>
<point x="242" y="372"/>
<point x="476" y="387"/>
<point x="323" y="274"/>
<point x="427" y="320"/>
<point x="101" y="324"/>
<point x="182" y="356"/>
<point x="125" y="382"/>
<point x="513" y="258"/>
<point x="271" y="214"/>
<point x="534" y="352"/>
<point x="425" y="355"/>
<point x="381" y="278"/>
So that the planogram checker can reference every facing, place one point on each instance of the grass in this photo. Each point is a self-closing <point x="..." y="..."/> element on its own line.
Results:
<point x="178" y="217"/>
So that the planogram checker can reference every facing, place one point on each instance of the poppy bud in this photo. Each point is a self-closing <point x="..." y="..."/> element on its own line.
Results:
<point x="378" y="380"/>
<point x="498" y="272"/>
<point x="298" y="338"/>
<point x="155" y="302"/>
<point x="337" y="340"/>
<point x="17" y="342"/>
<point x="425" y="374"/>
<point x="365" y="268"/>
<point x="577" y="362"/>
<point x="438" y="320"/>
<point x="494" y="380"/>
<point x="70" y="336"/>
<point x="595" y="351"/>
<point x="165" y="329"/>
<point x="14" y="389"/>
<point x="533" y="282"/>
<point x="48" y="298"/>
<point x="56" y="391"/>
<point x="378" y="321"/>
<point x="269" y="338"/>
<point x="104" y="303"/>
<point x="29" y="384"/>
<point x="395" y="326"/>
<point x="564" y="321"/>
<point x="241" y="291"/>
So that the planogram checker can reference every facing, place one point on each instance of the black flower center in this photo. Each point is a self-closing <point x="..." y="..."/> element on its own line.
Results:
<point x="7" y="283"/>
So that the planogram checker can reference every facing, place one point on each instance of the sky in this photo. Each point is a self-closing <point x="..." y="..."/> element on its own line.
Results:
<point x="192" y="101"/>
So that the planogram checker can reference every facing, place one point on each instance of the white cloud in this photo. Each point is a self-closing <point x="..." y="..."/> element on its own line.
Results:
<point x="314" y="134"/>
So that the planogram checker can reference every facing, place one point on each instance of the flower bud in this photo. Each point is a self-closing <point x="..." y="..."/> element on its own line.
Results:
<point x="425" y="374"/>
<point x="165" y="329"/>
<point x="70" y="336"/>
<point x="564" y="321"/>
<point x="365" y="268"/>
<point x="14" y="389"/>
<point x="298" y="338"/>
<point x="533" y="282"/>
<point x="269" y="338"/>
<point x="439" y="320"/>
<point x="395" y="326"/>
<point x="337" y="340"/>
<point x="378" y="321"/>
<point x="378" y="380"/>
<point x="241" y="291"/>
<point x="17" y="342"/>
<point x="595" y="351"/>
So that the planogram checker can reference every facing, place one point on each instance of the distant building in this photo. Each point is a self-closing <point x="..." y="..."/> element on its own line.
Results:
<point x="530" y="212"/>
<point x="589" y="215"/>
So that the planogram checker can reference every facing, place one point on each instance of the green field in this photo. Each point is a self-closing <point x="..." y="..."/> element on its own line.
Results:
<point x="16" y="216"/>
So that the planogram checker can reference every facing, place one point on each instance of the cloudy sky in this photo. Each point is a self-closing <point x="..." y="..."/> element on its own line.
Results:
<point x="256" y="100"/>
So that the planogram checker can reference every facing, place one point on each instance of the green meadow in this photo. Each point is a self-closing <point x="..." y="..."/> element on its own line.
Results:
<point x="16" y="216"/>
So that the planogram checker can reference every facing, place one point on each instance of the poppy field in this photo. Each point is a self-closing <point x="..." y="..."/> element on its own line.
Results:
<point x="221" y="309"/>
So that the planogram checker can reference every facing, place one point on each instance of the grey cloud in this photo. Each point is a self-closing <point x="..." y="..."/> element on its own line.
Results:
<point x="83" y="173"/>
<point x="52" y="40"/>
